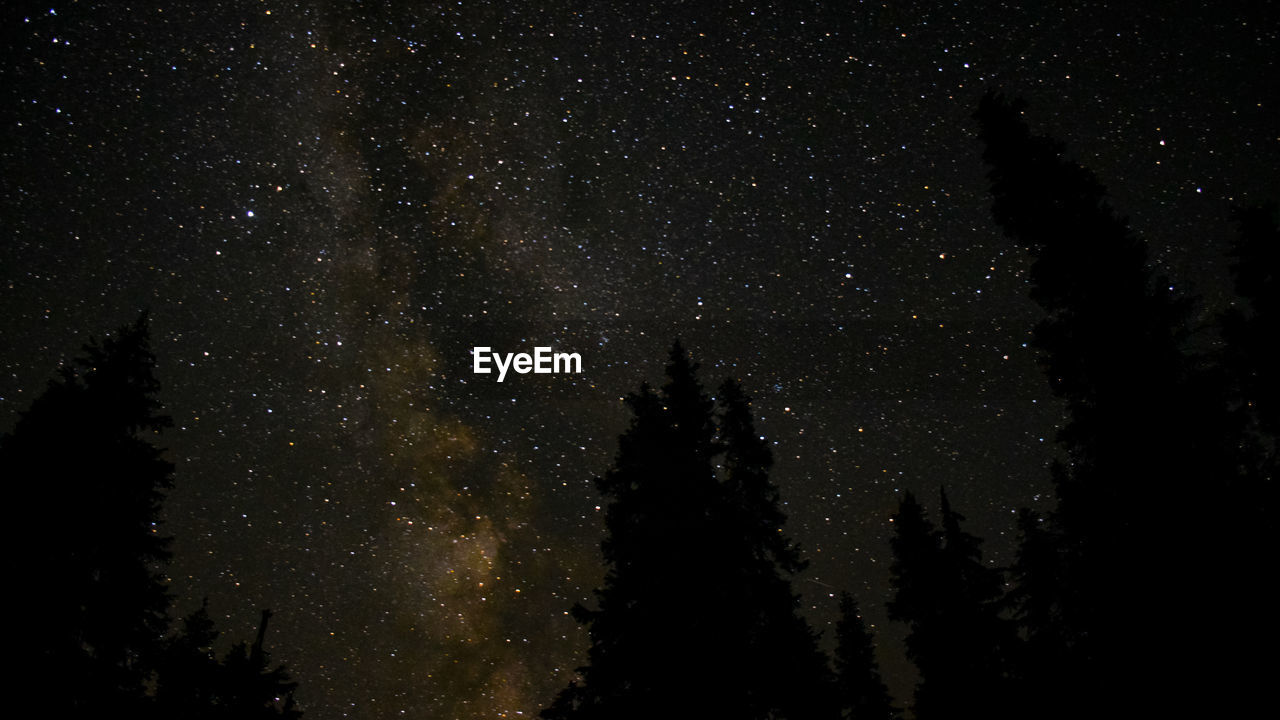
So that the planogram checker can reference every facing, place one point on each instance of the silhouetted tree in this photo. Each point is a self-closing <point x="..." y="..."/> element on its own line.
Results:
<point x="860" y="692"/>
<point x="696" y="617"/>
<point x="1035" y="601"/>
<point x="1153" y="479"/>
<point x="187" y="682"/>
<point x="193" y="683"/>
<point x="1109" y="344"/>
<point x="85" y="483"/>
<point x="756" y="577"/>
<point x="950" y="601"/>
<point x="1251" y="354"/>
<point x="1245" y="521"/>
<point x="251" y="689"/>
<point x="975" y="632"/>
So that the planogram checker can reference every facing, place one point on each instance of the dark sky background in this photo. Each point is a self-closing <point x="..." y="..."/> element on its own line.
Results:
<point x="326" y="205"/>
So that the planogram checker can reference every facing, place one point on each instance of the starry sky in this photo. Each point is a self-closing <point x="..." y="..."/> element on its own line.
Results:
<point x="326" y="205"/>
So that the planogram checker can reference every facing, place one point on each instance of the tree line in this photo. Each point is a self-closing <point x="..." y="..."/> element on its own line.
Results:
<point x="1145" y="591"/>
<point x="1142" y="593"/>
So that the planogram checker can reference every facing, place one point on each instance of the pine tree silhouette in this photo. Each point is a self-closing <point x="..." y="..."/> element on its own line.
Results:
<point x="193" y="683"/>
<point x="950" y="602"/>
<point x="696" y="617"/>
<point x="1156" y="468"/>
<point x="1250" y="354"/>
<point x="1039" y="665"/>
<point x="785" y="673"/>
<point x="861" y="693"/>
<point x="188" y="680"/>
<point x="1109" y="345"/>
<point x="1247" y="364"/>
<point x="251" y="690"/>
<point x="86" y="484"/>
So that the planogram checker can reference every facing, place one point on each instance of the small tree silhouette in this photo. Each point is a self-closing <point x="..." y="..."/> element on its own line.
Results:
<point x="193" y="683"/>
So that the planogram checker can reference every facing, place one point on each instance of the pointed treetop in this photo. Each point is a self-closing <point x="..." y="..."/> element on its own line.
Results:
<point x="681" y="369"/>
<point x="950" y="519"/>
<point x="689" y="405"/>
<point x="860" y="691"/>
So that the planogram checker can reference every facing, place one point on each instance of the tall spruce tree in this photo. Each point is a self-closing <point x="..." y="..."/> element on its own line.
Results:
<point x="977" y="639"/>
<point x="786" y="674"/>
<point x="1250" y="354"/>
<point x="1247" y="365"/>
<point x="85" y="482"/>
<point x="950" y="601"/>
<point x="860" y="691"/>
<point x="696" y="617"/>
<point x="1109" y="346"/>
<point x="1039" y="664"/>
<point x="1150" y="487"/>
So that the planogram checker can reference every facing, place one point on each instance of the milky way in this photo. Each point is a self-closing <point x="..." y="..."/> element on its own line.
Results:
<point x="325" y="206"/>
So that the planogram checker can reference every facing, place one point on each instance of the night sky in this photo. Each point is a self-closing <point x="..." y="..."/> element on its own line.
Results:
<point x="326" y="205"/>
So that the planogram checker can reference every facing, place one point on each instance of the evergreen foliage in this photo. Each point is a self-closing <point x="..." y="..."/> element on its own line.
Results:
<point x="194" y="683"/>
<point x="696" y="617"/>
<point x="1163" y="447"/>
<point x="950" y="601"/>
<point x="861" y="693"/>
<point x="86" y="483"/>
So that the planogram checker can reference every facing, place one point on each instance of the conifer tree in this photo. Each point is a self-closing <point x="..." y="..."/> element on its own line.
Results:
<point x="85" y="483"/>
<point x="760" y="561"/>
<point x="696" y="617"/>
<point x="1247" y="364"/>
<point x="251" y="688"/>
<point x="1152" y="480"/>
<point x="1109" y="345"/>
<point x="188" y="680"/>
<point x="950" y="602"/>
<point x="1250" y="354"/>
<point x="861" y="693"/>
<point x="1039" y="663"/>
<point x="193" y="683"/>
<point x="976" y="639"/>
